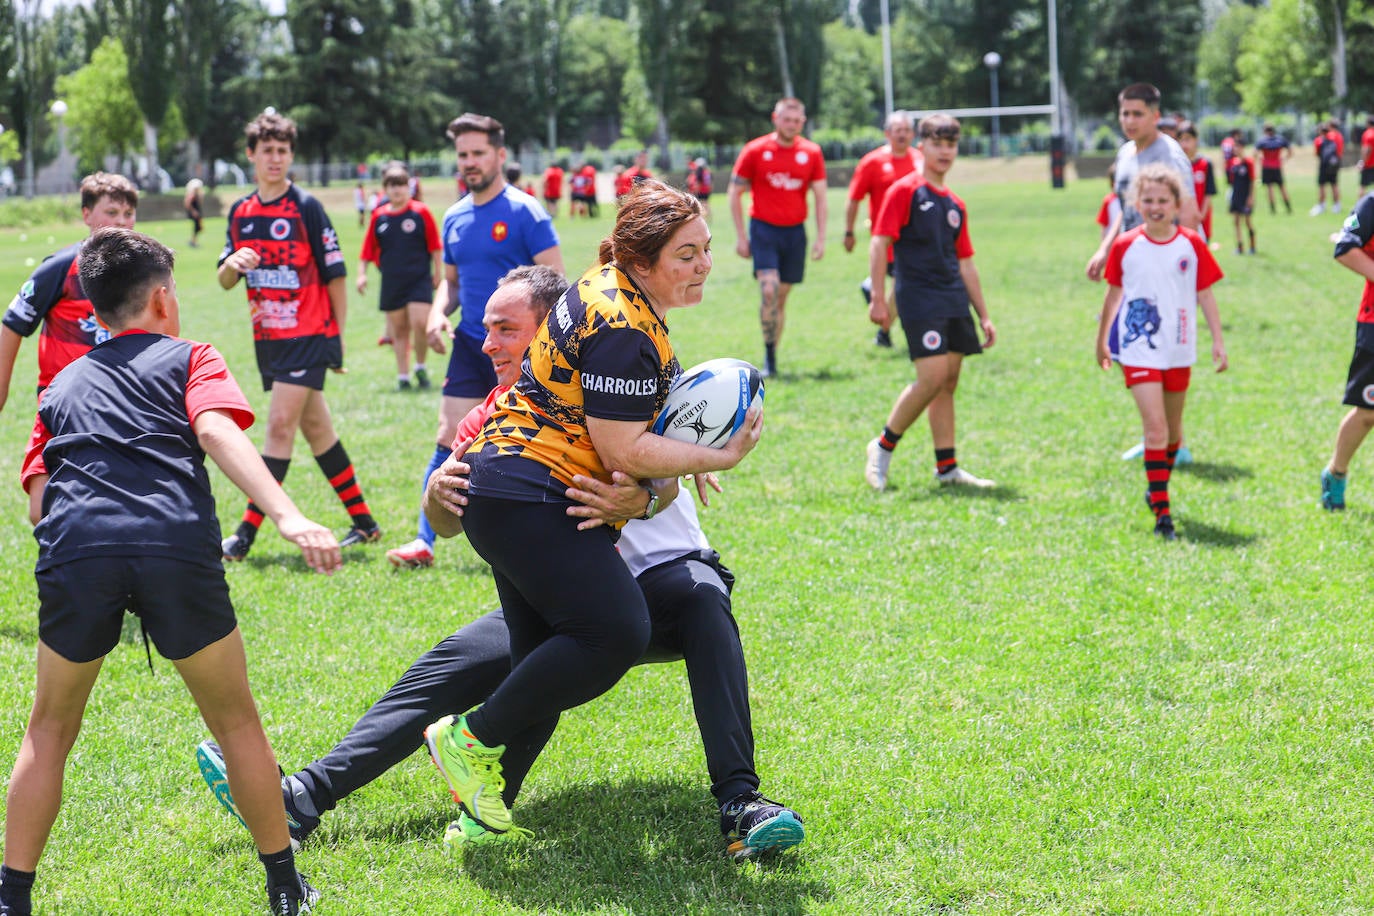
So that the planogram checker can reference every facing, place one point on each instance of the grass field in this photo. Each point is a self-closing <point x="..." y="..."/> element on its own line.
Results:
<point x="1011" y="701"/>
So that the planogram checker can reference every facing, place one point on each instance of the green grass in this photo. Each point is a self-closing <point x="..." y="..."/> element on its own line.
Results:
<point x="1015" y="701"/>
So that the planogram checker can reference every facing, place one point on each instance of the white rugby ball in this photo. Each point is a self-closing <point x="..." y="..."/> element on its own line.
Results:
<point x="707" y="403"/>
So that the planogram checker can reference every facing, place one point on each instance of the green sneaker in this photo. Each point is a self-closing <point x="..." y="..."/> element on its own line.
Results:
<point x="472" y="771"/>
<point x="466" y="833"/>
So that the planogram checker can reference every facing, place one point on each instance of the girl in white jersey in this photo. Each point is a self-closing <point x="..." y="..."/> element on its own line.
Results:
<point x="1157" y="275"/>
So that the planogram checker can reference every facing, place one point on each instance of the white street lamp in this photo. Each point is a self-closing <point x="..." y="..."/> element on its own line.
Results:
<point x="992" y="60"/>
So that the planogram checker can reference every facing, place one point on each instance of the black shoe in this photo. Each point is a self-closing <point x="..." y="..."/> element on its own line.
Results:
<point x="403" y="384"/>
<point x="422" y="379"/>
<point x="288" y="900"/>
<point x="236" y="546"/>
<point x="752" y="825"/>
<point x="1164" y="527"/>
<point x="15" y="910"/>
<point x="883" y="338"/>
<point x="361" y="534"/>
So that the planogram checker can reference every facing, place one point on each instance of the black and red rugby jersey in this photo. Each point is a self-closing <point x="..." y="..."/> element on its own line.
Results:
<point x="53" y="298"/>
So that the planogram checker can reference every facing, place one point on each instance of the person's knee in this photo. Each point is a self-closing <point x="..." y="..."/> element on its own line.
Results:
<point x="1363" y="416"/>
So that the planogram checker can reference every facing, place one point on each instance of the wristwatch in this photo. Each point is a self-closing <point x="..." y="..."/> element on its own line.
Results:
<point x="651" y="509"/>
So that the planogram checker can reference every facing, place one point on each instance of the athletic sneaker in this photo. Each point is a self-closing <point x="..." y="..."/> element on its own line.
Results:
<point x="466" y="833"/>
<point x="361" y="534"/>
<point x="1184" y="456"/>
<point x="958" y="477"/>
<point x="236" y="546"/>
<point x="211" y="763"/>
<point x="1316" y="210"/>
<point x="866" y="290"/>
<point x="753" y="825"/>
<point x="422" y="378"/>
<point x="883" y="338"/>
<point x="385" y="339"/>
<point x="403" y="384"/>
<point x="414" y="555"/>
<point x="876" y="465"/>
<point x="292" y="900"/>
<point x="1164" y="527"/>
<point x="1134" y="452"/>
<point x="1333" y="491"/>
<point x="472" y="771"/>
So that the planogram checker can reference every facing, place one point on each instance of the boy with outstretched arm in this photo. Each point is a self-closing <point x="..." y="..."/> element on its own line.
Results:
<point x="128" y="523"/>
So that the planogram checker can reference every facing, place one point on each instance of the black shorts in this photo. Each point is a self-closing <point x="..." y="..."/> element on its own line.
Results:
<point x="1328" y="174"/>
<point x="183" y="606"/>
<point x="780" y="248"/>
<point x="421" y="290"/>
<point x="1236" y="203"/>
<point x="1359" y="383"/>
<point x="932" y="335"/>
<point x="1366" y="177"/>
<point x="304" y="361"/>
<point x="1271" y="176"/>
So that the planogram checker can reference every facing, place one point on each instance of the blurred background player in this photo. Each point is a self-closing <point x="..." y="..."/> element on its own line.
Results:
<point x="1204" y="179"/>
<point x="1109" y="211"/>
<point x="700" y="183"/>
<point x="778" y="170"/>
<point x="582" y="188"/>
<point x="1367" y="155"/>
<point x="926" y="226"/>
<point x="1240" y="171"/>
<point x="1274" y="148"/>
<point x="493" y="230"/>
<point x="403" y="242"/>
<point x="191" y="203"/>
<point x="1329" y="146"/>
<point x="874" y="174"/>
<point x="280" y="242"/>
<point x="553" y="187"/>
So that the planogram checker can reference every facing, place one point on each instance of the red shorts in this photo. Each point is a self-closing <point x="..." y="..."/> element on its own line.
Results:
<point x="1175" y="379"/>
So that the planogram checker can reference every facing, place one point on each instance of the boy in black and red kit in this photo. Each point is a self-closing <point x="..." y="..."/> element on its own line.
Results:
<point x="1355" y="251"/>
<point x="281" y="243"/>
<point x="128" y="523"/>
<point x="1240" y="173"/>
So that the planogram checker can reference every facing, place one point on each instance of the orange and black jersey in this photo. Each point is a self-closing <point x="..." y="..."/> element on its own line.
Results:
<point x="52" y="297"/>
<point x="300" y="255"/>
<point x="603" y="353"/>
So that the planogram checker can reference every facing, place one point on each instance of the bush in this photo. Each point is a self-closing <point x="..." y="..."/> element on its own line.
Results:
<point x="17" y="213"/>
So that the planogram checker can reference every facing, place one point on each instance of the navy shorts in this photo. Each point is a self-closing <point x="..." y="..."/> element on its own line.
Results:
<point x="306" y="378"/>
<point x="1271" y="176"/>
<point x="422" y="290"/>
<point x="1366" y="177"/>
<point x="470" y="374"/>
<point x="780" y="248"/>
<point x="931" y="336"/>
<point x="1359" y="383"/>
<point x="1328" y="174"/>
<point x="183" y="606"/>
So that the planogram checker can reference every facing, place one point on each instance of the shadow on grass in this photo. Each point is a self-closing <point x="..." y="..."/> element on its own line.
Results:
<point x="1211" y="470"/>
<point x="997" y="494"/>
<point x="815" y="375"/>
<point x="1214" y="536"/>
<point x="20" y="634"/>
<point x="645" y="846"/>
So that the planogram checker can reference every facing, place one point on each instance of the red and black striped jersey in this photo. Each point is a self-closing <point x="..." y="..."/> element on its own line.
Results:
<point x="52" y="297"/>
<point x="300" y="255"/>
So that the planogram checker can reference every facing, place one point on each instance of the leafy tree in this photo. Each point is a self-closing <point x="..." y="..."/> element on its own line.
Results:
<point x="851" y="78"/>
<point x="415" y="68"/>
<point x="594" y="71"/>
<point x="638" y="116"/>
<point x="239" y="87"/>
<point x="31" y="85"/>
<point x="1282" y="62"/>
<point x="1218" y="54"/>
<point x="146" y="28"/>
<point x="102" y="114"/>
<point x="732" y="80"/>
<point x="204" y="25"/>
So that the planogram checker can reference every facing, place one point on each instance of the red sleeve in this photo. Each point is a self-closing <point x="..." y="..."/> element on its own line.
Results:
<point x="33" y="456"/>
<point x="963" y="242"/>
<point x="860" y="183"/>
<point x="1208" y="270"/>
<point x="371" y="253"/>
<point x="431" y="230"/>
<point x="896" y="211"/>
<point x="744" y="165"/>
<point x="1104" y="217"/>
<point x="1340" y="143"/>
<point x="472" y="424"/>
<point x="1113" y="273"/>
<point x="210" y="386"/>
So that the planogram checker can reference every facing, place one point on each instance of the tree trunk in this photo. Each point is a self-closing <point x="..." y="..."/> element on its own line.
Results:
<point x="28" y="171"/>
<point x="1339" y="82"/>
<point x="154" y="181"/>
<point x="193" y="158"/>
<point x="787" y="90"/>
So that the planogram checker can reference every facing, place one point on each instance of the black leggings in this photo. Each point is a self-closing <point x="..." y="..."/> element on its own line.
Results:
<point x="576" y="616"/>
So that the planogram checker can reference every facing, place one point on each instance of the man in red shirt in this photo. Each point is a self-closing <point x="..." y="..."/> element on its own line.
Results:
<point x="874" y="174"/>
<point x="778" y="169"/>
<point x="1367" y="154"/>
<point x="1330" y="147"/>
<point x="553" y="187"/>
<point x="1274" y="148"/>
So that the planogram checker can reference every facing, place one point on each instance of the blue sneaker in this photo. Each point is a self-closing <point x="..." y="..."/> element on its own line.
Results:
<point x="752" y="825"/>
<point x="1333" y="491"/>
<point x="1184" y="456"/>
<point x="211" y="763"/>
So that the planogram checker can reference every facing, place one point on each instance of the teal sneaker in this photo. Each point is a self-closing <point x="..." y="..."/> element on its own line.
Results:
<point x="753" y="825"/>
<point x="472" y="771"/>
<point x="466" y="833"/>
<point x="212" y="770"/>
<point x="1333" y="491"/>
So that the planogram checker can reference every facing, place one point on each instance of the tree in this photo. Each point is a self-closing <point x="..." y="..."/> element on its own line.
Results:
<point x="638" y="116"/>
<point x="204" y="25"/>
<point x="851" y="78"/>
<point x="1218" y="54"/>
<point x="31" y="86"/>
<point x="102" y="114"/>
<point x="1282" y="62"/>
<point x="593" y="76"/>
<point x="146" y="29"/>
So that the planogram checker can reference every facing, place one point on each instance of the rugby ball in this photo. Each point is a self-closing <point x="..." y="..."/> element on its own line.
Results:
<point x="707" y="403"/>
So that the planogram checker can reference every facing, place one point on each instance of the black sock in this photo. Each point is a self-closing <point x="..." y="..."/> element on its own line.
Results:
<point x="944" y="460"/>
<point x="252" y="516"/>
<point x="15" y="888"/>
<point x="281" y="867"/>
<point x="888" y="440"/>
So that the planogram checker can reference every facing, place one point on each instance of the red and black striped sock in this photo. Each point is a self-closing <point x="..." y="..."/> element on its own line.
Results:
<point x="1173" y="452"/>
<point x="1157" y="477"/>
<point x="888" y="440"/>
<point x="944" y="460"/>
<point x="252" y="516"/>
<point x="339" y="470"/>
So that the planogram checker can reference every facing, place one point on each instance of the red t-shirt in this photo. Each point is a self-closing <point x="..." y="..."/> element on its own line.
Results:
<point x="476" y="418"/>
<point x="876" y="172"/>
<point x="1104" y="212"/>
<point x="1367" y="141"/>
<point x="553" y="183"/>
<point x="779" y="177"/>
